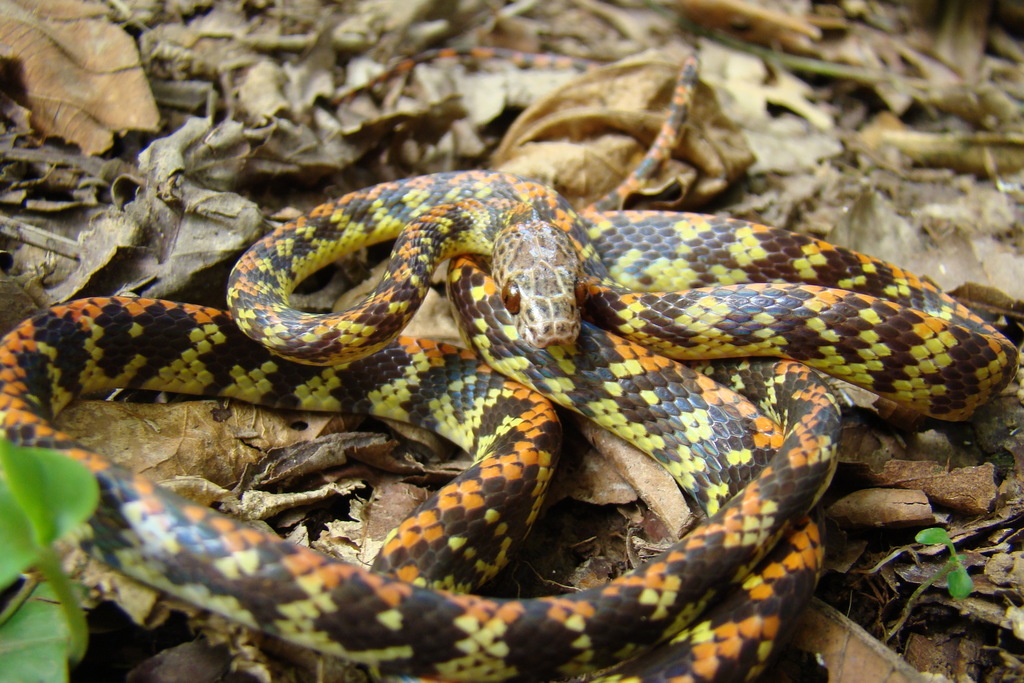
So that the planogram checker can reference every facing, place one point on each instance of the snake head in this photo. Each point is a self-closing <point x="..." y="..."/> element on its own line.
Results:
<point x="540" y="273"/>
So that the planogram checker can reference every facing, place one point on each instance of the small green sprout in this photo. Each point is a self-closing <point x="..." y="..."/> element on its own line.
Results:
<point x="958" y="581"/>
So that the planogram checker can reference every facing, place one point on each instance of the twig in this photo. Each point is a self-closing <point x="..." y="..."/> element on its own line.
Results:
<point x="37" y="237"/>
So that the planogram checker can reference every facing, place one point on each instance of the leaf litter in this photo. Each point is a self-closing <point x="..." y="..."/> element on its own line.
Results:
<point x="892" y="129"/>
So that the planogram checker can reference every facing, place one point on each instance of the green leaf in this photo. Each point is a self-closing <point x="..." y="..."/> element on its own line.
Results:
<point x="932" y="536"/>
<point x="25" y="481"/>
<point x="34" y="641"/>
<point x="959" y="583"/>
<point x="16" y="538"/>
<point x="43" y="495"/>
<point x="55" y="493"/>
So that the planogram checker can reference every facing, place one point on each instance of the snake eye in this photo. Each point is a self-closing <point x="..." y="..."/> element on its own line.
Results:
<point x="581" y="291"/>
<point x="511" y="298"/>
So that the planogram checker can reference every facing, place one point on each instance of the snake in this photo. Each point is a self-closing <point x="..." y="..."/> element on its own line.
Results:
<point x="764" y="304"/>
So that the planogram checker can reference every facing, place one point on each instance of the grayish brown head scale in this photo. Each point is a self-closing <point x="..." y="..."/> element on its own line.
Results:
<point x="540" y="274"/>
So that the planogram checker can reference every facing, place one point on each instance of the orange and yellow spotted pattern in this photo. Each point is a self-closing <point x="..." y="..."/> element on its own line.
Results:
<point x="757" y="458"/>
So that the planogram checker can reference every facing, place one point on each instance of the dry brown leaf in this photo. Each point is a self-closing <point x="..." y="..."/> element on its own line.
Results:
<point x="484" y="95"/>
<point x="269" y="89"/>
<point x="851" y="654"/>
<point x="199" y="490"/>
<point x="193" y="661"/>
<point x="283" y="467"/>
<point x="752" y="22"/>
<point x="951" y="256"/>
<point x="1006" y="570"/>
<point x="144" y="605"/>
<point x="882" y="508"/>
<point x="350" y="539"/>
<point x="586" y="475"/>
<point x="209" y="46"/>
<point x="439" y="109"/>
<point x="261" y="92"/>
<point x="959" y="32"/>
<point x="747" y="87"/>
<point x="580" y="137"/>
<point x="649" y="479"/>
<point x="943" y="653"/>
<point x="789" y="145"/>
<point x="981" y="297"/>
<point x="593" y="479"/>
<point x="176" y="236"/>
<point x="80" y="73"/>
<point x="433" y="320"/>
<point x="392" y="503"/>
<point x="211" y="439"/>
<point x="19" y="116"/>
<point x="255" y="505"/>
<point x="983" y="154"/>
<point x="436" y="450"/>
<point x="971" y="490"/>
<point x="15" y="304"/>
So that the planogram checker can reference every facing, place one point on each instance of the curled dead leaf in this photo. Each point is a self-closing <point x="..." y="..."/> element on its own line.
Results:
<point x="265" y="504"/>
<point x="80" y="73"/>
<point x="581" y="136"/>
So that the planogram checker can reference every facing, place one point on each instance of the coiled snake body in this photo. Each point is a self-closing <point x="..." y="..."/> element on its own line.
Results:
<point x="752" y="290"/>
